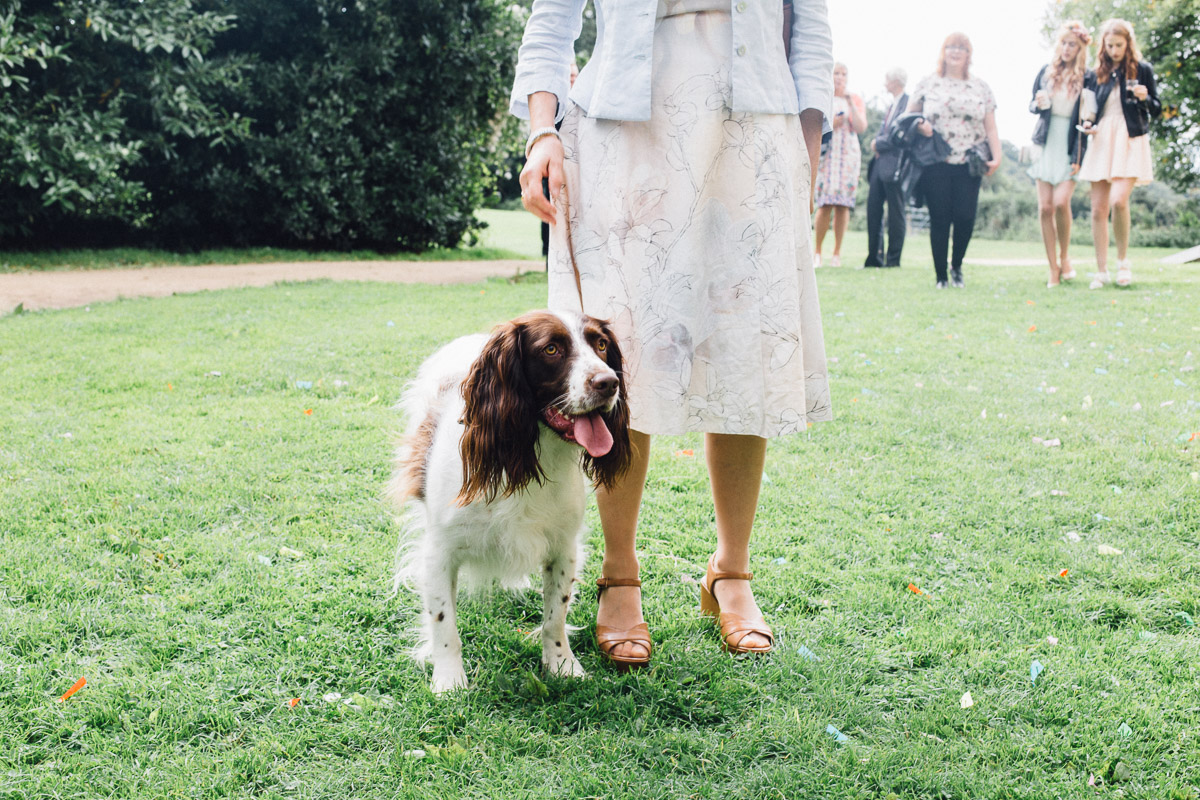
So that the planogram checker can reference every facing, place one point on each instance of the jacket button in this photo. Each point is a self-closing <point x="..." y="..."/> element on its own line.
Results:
<point x="741" y="51"/>
<point x="741" y="6"/>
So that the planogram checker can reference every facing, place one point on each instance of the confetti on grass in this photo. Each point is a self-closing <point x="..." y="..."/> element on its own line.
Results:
<point x="807" y="654"/>
<point x="912" y="587"/>
<point x="1125" y="731"/>
<point x="685" y="453"/>
<point x="966" y="701"/>
<point x="1106" y="550"/>
<point x="837" y="735"/>
<point x="1063" y="573"/>
<point x="295" y="701"/>
<point x="1052" y="640"/>
<point x="1035" y="669"/>
<point x="79" y="684"/>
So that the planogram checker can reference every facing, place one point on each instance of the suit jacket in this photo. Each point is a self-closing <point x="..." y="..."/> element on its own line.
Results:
<point x="887" y="155"/>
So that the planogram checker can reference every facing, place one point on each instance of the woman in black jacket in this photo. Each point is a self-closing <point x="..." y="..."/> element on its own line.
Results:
<point x="1056" y="92"/>
<point x="1118" y="156"/>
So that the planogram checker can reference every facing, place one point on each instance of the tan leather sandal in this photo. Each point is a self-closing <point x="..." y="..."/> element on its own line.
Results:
<point x="608" y="637"/>
<point x="734" y="629"/>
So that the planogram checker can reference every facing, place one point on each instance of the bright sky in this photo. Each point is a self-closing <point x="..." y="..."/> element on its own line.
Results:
<point x="872" y="36"/>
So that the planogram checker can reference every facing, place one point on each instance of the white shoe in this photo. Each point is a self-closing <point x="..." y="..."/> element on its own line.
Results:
<point x="816" y="260"/>
<point x="1068" y="272"/>
<point x="836" y="261"/>
<point x="1124" y="273"/>
<point x="1098" y="280"/>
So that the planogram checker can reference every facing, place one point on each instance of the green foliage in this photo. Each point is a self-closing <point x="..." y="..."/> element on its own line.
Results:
<point x="1168" y="33"/>
<point x="298" y="123"/>
<point x="92" y="94"/>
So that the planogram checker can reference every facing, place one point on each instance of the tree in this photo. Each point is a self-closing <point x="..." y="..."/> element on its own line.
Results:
<point x="1168" y="33"/>
<point x="90" y="92"/>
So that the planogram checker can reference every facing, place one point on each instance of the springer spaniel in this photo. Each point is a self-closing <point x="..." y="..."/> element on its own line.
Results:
<point x="501" y="430"/>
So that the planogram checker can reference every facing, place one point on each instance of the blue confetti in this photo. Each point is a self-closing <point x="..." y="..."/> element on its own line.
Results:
<point x="1035" y="669"/>
<point x="304" y="384"/>
<point x="807" y="654"/>
<point x="780" y="560"/>
<point x="1101" y="371"/>
<point x="1180" y="383"/>
<point x="837" y="735"/>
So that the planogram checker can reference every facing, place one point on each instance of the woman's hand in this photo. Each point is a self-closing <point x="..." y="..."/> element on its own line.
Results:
<point x="992" y="166"/>
<point x="858" y="114"/>
<point x="1141" y="92"/>
<point x="925" y="128"/>
<point x="1087" y="129"/>
<point x="545" y="161"/>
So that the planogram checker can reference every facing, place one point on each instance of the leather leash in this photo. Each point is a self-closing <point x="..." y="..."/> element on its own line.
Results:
<point x="571" y="243"/>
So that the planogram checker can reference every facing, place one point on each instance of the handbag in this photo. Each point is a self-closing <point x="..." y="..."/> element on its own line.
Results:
<point x="977" y="159"/>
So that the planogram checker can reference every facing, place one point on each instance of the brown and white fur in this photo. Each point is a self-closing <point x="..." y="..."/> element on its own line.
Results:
<point x="501" y="431"/>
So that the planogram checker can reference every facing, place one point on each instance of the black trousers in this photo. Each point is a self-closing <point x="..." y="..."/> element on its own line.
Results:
<point x="893" y="195"/>
<point x="952" y="195"/>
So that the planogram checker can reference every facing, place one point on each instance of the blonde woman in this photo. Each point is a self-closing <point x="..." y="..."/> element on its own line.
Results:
<point x="1118" y="156"/>
<point x="837" y="177"/>
<point x="683" y="172"/>
<point x="1056" y="93"/>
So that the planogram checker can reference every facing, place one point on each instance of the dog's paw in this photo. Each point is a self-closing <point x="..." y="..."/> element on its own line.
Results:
<point x="564" y="666"/>
<point x="448" y="678"/>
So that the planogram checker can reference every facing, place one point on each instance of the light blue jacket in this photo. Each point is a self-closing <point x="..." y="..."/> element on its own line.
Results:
<point x="615" y="84"/>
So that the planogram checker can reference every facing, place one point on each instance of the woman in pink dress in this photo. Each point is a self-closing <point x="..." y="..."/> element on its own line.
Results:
<point x="837" y="175"/>
<point x="1118" y="156"/>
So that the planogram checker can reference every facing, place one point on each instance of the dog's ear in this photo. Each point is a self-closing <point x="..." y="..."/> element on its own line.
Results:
<point x="607" y="470"/>
<point x="499" y="443"/>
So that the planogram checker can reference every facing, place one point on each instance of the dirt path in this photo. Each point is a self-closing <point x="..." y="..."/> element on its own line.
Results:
<point x="41" y="290"/>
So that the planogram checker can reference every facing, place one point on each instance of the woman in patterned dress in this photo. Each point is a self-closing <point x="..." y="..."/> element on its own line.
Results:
<point x="837" y="177"/>
<point x="682" y="171"/>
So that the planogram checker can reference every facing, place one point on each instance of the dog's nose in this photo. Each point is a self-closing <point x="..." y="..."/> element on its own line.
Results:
<point x="604" y="385"/>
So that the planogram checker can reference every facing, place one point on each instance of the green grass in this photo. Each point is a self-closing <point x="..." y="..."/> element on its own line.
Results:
<point x="145" y="500"/>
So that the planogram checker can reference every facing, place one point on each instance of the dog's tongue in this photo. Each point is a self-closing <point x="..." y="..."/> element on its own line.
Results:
<point x="591" y="432"/>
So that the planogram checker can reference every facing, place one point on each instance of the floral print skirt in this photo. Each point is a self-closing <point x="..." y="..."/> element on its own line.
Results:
<point x="691" y="233"/>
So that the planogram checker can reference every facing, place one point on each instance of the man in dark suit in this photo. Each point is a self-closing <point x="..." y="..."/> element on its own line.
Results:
<point x="880" y="176"/>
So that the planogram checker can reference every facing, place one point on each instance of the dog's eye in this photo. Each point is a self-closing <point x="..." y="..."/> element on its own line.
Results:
<point x="601" y="345"/>
<point x="550" y="349"/>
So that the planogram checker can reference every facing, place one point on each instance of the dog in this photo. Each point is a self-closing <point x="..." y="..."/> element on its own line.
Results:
<point x="501" y="431"/>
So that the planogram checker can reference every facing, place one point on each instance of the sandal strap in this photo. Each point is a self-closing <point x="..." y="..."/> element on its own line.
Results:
<point x="714" y="575"/>
<point x="604" y="583"/>
<point x="608" y="638"/>
<point x="732" y="625"/>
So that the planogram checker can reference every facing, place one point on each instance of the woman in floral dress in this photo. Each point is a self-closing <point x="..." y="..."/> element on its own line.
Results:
<point x="837" y="177"/>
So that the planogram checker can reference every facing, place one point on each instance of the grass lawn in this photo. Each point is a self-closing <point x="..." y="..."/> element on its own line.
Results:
<point x="191" y="518"/>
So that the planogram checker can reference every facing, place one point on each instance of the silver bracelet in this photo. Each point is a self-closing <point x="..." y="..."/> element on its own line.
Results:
<point x="539" y="134"/>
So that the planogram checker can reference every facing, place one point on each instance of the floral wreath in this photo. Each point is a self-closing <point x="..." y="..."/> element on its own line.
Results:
<point x="1081" y="32"/>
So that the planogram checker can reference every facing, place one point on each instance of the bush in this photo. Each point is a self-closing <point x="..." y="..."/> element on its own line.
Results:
<point x="309" y="123"/>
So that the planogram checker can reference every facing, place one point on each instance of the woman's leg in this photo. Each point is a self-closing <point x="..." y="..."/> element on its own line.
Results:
<point x="1046" y="212"/>
<point x="1119" y="202"/>
<point x="841" y="221"/>
<point x="966" y="203"/>
<point x="735" y="468"/>
<point x="937" y="196"/>
<point x="1100" y="193"/>
<point x="822" y="226"/>
<point x="621" y="606"/>
<point x="1062" y="218"/>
